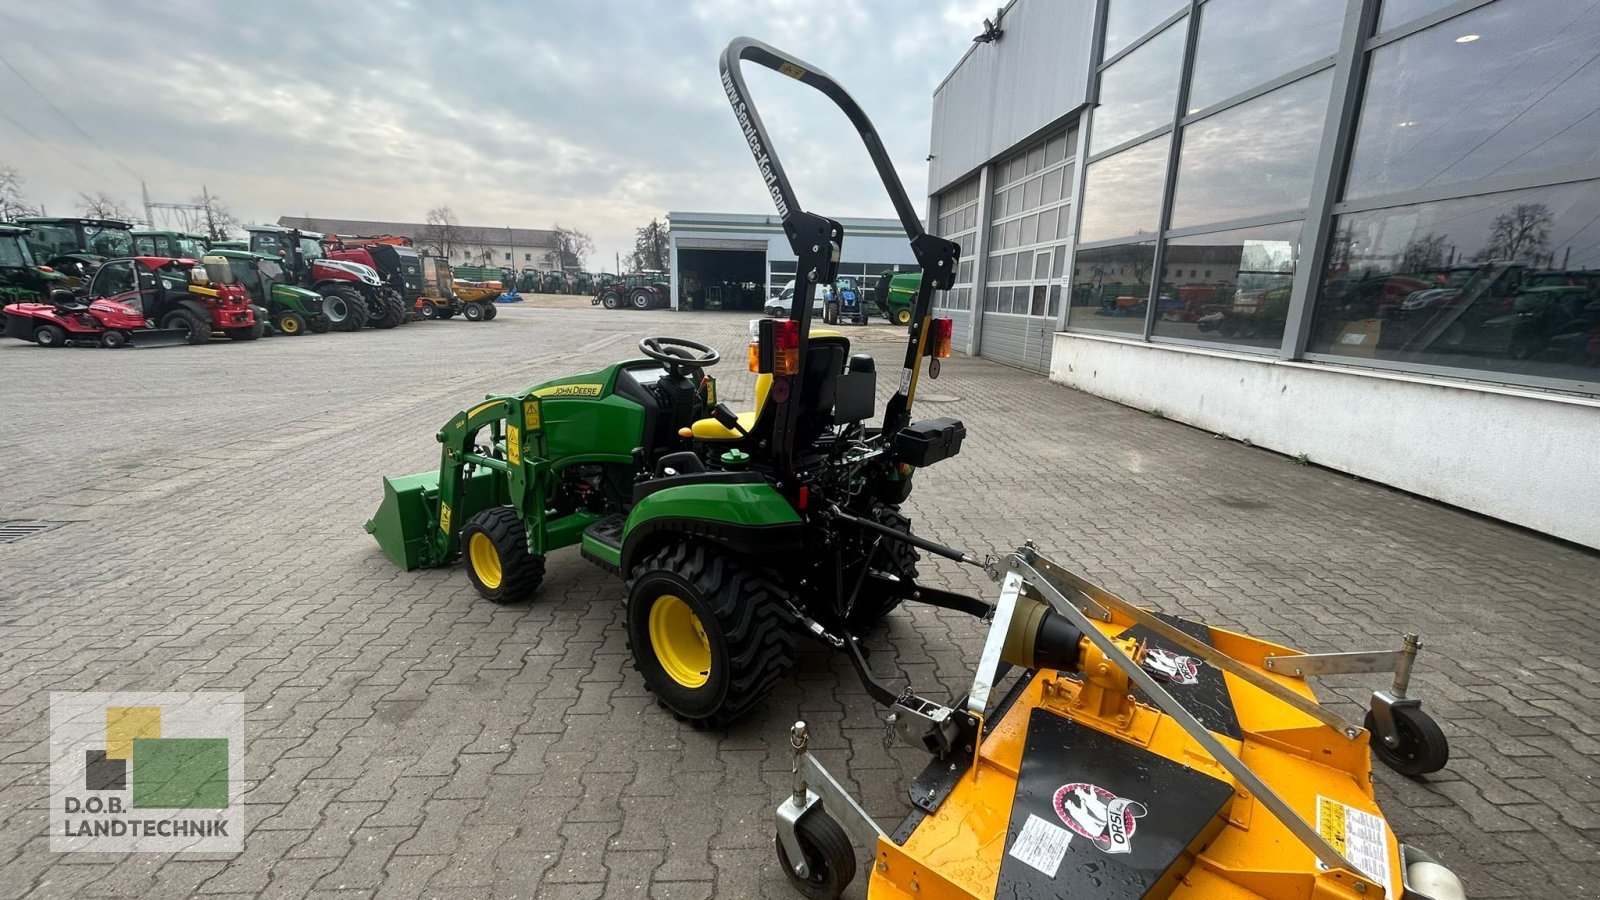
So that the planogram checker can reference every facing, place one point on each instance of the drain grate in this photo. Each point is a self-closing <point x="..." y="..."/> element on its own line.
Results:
<point x="12" y="530"/>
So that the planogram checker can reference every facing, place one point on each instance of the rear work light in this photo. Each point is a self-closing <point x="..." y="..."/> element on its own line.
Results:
<point x="940" y="334"/>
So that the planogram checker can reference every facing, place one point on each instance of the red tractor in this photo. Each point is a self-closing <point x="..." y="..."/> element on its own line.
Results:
<point x="396" y="262"/>
<point x="188" y="301"/>
<point x="353" y="295"/>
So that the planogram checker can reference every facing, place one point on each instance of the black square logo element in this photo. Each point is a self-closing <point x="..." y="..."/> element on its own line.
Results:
<point x="101" y="774"/>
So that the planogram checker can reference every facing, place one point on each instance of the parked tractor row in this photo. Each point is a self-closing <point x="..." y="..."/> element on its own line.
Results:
<point x="98" y="282"/>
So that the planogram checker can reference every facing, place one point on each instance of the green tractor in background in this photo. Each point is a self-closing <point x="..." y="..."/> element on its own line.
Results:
<point x="230" y="245"/>
<point x="555" y="282"/>
<point x="286" y="309"/>
<point x="173" y="244"/>
<point x="530" y="281"/>
<point x="737" y="532"/>
<point x="583" y="283"/>
<point x="896" y="294"/>
<point x="22" y="280"/>
<point x="74" y="248"/>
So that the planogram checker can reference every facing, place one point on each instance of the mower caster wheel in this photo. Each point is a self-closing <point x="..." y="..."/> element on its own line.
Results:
<point x="830" y="859"/>
<point x="1422" y="748"/>
<point x="710" y="632"/>
<point x="498" y="561"/>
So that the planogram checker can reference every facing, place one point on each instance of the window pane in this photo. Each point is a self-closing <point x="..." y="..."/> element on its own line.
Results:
<point x="1047" y="225"/>
<point x="1030" y="230"/>
<point x="1127" y="19"/>
<point x="1229" y="54"/>
<point x="1014" y="233"/>
<point x="1030" y="196"/>
<point x="1052" y="185"/>
<point x="1399" y="12"/>
<point x="1111" y="288"/>
<point x="1505" y="282"/>
<point x="1138" y="92"/>
<point x="1036" y="307"/>
<point x="1231" y="287"/>
<point x="1055" y="300"/>
<point x="1519" y="97"/>
<point x="1257" y="157"/>
<point x="1008" y="267"/>
<point x="1041" y="265"/>
<point x="1122" y="193"/>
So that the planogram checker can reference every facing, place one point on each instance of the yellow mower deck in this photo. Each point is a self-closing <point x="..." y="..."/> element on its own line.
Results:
<point x="1238" y="851"/>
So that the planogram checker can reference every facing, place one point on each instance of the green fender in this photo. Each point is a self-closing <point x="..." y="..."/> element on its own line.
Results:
<point x="740" y="511"/>
<point x="296" y="300"/>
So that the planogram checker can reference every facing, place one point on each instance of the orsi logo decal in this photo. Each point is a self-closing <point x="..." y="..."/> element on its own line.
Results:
<point x="1169" y="666"/>
<point x="1099" y="815"/>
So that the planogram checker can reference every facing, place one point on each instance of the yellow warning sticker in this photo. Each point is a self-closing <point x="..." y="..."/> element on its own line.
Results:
<point x="570" y="390"/>
<point x="530" y="414"/>
<point x="791" y="70"/>
<point x="1359" y="836"/>
<point x="514" y="444"/>
<point x="444" y="519"/>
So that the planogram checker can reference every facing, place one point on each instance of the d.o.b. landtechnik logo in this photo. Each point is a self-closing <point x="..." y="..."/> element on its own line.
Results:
<point x="146" y="772"/>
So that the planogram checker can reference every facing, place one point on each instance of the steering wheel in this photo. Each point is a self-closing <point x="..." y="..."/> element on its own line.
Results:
<point x="679" y="353"/>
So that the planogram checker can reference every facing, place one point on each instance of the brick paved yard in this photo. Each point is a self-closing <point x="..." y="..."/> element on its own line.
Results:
<point x="406" y="738"/>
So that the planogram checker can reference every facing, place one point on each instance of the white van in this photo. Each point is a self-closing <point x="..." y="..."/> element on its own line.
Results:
<point x="780" y="306"/>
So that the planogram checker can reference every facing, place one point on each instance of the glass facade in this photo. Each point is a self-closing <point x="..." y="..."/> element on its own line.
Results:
<point x="1266" y="177"/>
<point x="1031" y="219"/>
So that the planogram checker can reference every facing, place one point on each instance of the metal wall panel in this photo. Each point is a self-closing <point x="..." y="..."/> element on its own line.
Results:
<point x="1005" y="91"/>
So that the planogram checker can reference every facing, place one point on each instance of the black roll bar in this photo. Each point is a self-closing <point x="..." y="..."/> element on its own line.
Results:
<point x="816" y="240"/>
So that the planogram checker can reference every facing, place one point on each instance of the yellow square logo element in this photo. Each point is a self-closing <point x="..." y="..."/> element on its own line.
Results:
<point x="125" y="724"/>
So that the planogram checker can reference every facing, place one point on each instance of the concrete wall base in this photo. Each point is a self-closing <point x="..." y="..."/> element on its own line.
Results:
<point x="1523" y="456"/>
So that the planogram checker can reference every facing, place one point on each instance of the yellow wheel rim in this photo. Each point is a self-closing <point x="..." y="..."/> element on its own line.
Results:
<point x="289" y="326"/>
<point x="680" y="641"/>
<point x="903" y="316"/>
<point x="485" y="559"/>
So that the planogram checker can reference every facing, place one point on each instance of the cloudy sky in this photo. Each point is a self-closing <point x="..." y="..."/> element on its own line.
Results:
<point x="595" y="114"/>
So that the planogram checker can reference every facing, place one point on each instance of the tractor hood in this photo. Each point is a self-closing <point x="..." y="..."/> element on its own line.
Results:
<point x="361" y="270"/>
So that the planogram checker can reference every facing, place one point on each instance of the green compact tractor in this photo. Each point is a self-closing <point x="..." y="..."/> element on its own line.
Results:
<point x="22" y="280"/>
<point x="286" y="309"/>
<point x="737" y="533"/>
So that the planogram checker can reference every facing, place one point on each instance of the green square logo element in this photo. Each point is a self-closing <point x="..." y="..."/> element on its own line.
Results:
<point x="180" y="773"/>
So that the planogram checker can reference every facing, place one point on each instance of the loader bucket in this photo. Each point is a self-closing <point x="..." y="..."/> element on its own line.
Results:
<point x="405" y="520"/>
<point x="158" y="337"/>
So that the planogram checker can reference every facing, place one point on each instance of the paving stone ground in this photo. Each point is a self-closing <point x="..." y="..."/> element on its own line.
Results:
<point x="407" y="739"/>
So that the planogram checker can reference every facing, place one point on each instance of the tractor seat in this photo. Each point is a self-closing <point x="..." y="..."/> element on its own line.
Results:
<point x="711" y="430"/>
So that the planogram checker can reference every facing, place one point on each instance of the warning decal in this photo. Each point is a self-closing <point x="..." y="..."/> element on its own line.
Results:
<point x="1359" y="836"/>
<point x="1041" y="845"/>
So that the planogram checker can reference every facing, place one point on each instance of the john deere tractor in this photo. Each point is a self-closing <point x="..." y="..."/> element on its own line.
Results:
<point x="737" y="532"/>
<point x="286" y="309"/>
<point x="353" y="294"/>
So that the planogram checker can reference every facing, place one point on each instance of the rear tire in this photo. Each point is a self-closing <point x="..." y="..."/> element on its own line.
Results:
<point x="247" y="334"/>
<point x="902" y="317"/>
<point x="495" y="545"/>
<point x="829" y="855"/>
<point x="196" y="326"/>
<point x="490" y="311"/>
<point x="709" y="631"/>
<point x="473" y="311"/>
<point x="48" y="335"/>
<point x="642" y="298"/>
<point x="290" y="324"/>
<point x="892" y="557"/>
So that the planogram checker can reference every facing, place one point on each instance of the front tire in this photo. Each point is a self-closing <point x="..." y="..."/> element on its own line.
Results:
<point x="610" y="301"/>
<point x="319" y="324"/>
<point x="902" y="317"/>
<point x="501" y="567"/>
<point x="473" y="312"/>
<point x="642" y="299"/>
<point x="291" y="324"/>
<point x="490" y="311"/>
<point x="429" y="311"/>
<point x="709" y="632"/>
<point x="197" y="330"/>
<point x="345" y="308"/>
<point x="830" y="857"/>
<point x="114" y="340"/>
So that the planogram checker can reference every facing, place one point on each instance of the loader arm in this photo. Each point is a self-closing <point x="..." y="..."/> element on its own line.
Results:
<point x="515" y="420"/>
<point x="816" y="240"/>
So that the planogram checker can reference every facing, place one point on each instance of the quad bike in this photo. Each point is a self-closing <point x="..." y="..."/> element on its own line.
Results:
<point x="1135" y="754"/>
<point x="738" y="533"/>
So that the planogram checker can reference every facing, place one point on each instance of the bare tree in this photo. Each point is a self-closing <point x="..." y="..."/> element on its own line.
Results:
<point x="1424" y="253"/>
<point x="100" y="205"/>
<point x="12" y="203"/>
<point x="1519" y="235"/>
<point x="213" y="218"/>
<point x="572" y="246"/>
<point x="649" y="247"/>
<point x="442" y="234"/>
